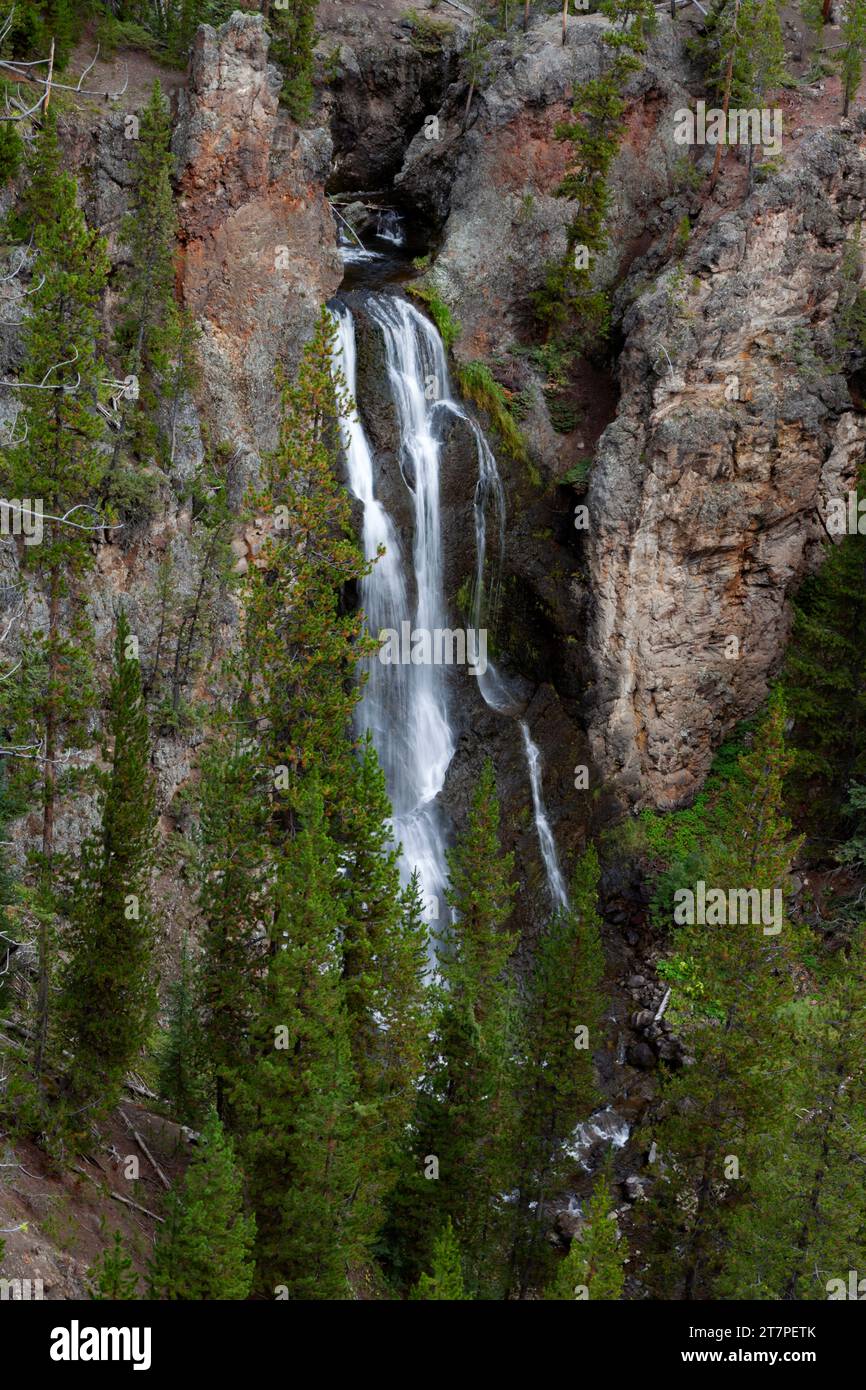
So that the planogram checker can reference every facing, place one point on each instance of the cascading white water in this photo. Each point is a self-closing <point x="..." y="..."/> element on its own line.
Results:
<point x="384" y="593"/>
<point x="406" y="707"/>
<point x="549" y="854"/>
<point x="389" y="227"/>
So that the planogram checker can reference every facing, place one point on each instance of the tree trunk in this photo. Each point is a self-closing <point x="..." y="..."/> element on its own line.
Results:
<point x="825" y="11"/>
<point x="49" y="792"/>
<point x="526" y="16"/>
<point x="468" y="102"/>
<point x="564" y="19"/>
<point x="729" y="76"/>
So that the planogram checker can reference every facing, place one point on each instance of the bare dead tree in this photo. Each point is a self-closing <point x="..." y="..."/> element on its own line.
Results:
<point x="17" y="108"/>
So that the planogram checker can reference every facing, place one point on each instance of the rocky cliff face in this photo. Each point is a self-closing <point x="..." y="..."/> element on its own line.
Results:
<point x="491" y="188"/>
<point x="257" y="260"/>
<point x="258" y="243"/>
<point x="734" y="427"/>
<point x="734" y="424"/>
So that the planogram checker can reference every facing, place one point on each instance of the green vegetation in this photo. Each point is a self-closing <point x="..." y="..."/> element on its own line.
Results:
<point x="562" y="1030"/>
<point x="571" y="303"/>
<point x="578" y="474"/>
<point x="199" y="883"/>
<point x="429" y="33"/>
<point x="293" y="26"/>
<point x="108" y="1000"/>
<point x="447" y="325"/>
<point x="59" y="462"/>
<point x="446" y="1281"/>
<point x="593" y="1267"/>
<point x="730" y="986"/>
<point x="478" y="385"/>
<point x="112" y="1277"/>
<point x="203" y="1250"/>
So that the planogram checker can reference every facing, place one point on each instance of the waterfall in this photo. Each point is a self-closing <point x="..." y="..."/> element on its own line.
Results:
<point x="555" y="881"/>
<point x="406" y="707"/>
<point x="389" y="227"/>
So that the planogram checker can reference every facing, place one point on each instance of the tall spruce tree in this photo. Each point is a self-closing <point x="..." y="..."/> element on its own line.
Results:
<point x="296" y="1097"/>
<point x="108" y="998"/>
<point x="384" y="964"/>
<point x="232" y="869"/>
<point x="294" y="29"/>
<point x="730" y="982"/>
<point x="203" y="1252"/>
<point x="463" y="1161"/>
<point x="445" y="1283"/>
<point x="571" y="301"/>
<point x="593" y="1267"/>
<point x="60" y="464"/>
<point x="825" y="689"/>
<point x="557" y="1085"/>
<point x="148" y="321"/>
<point x="805" y="1223"/>
<point x="183" y="1065"/>
<point x="301" y="645"/>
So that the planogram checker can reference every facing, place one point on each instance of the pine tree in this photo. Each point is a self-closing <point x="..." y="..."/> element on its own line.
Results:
<point x="148" y="322"/>
<point x="726" y="48"/>
<point x="825" y="687"/>
<point x="557" y="1084"/>
<point x="384" y="963"/>
<point x="204" y="1250"/>
<point x="296" y="1098"/>
<point x="593" y="1267"/>
<point x="183" y="18"/>
<point x="184" y="1061"/>
<point x="446" y="1281"/>
<point x="806" y="1220"/>
<point x="744" y="54"/>
<point x="853" y="51"/>
<point x="465" y="1110"/>
<point x="294" y="26"/>
<point x="301" y="647"/>
<point x="112" y="1276"/>
<point x="730" y="983"/>
<point x="232" y="902"/>
<point x="570" y="300"/>
<point x="108" y="999"/>
<point x="11" y="152"/>
<point x="767" y="58"/>
<point x="60" y="464"/>
<point x="480" y="892"/>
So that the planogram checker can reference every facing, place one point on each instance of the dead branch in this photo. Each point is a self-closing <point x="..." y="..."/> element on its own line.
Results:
<point x="42" y="385"/>
<point x="146" y="1151"/>
<point x="135" y="1084"/>
<point x="127" y="1201"/>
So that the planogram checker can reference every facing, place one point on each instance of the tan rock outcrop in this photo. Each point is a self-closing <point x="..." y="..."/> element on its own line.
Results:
<point x="708" y="497"/>
<point x="258" y="242"/>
